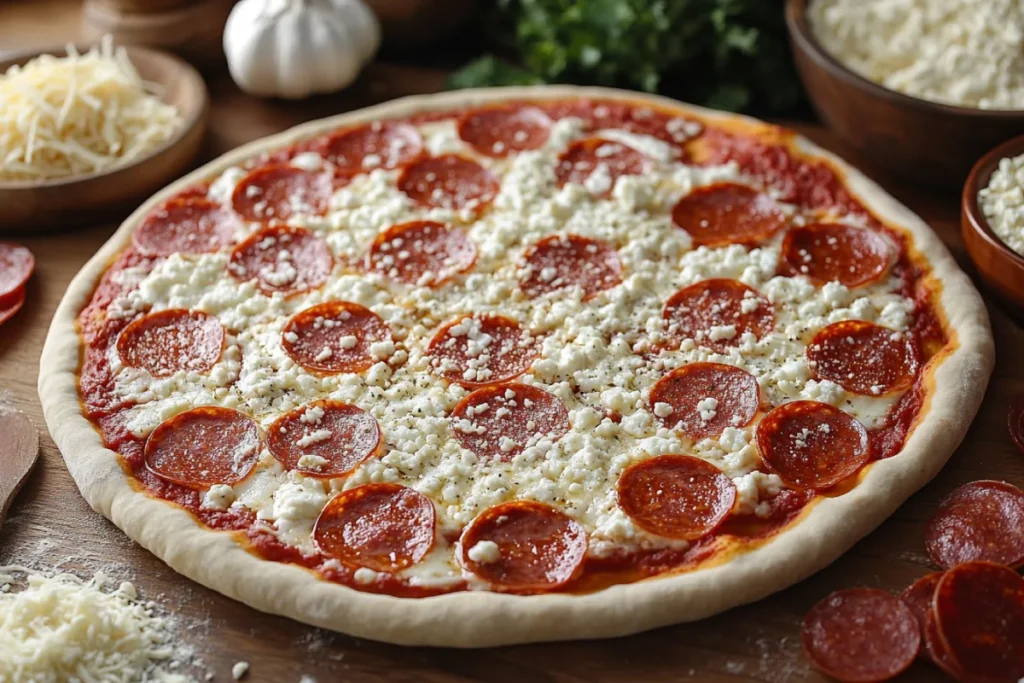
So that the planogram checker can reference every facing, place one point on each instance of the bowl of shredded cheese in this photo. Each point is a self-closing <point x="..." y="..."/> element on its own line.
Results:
<point x="921" y="88"/>
<point x="86" y="131"/>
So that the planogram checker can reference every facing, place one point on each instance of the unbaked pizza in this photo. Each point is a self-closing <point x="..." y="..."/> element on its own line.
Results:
<point x="652" y="359"/>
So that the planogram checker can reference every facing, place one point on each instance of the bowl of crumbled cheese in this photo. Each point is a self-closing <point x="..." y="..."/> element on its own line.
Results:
<point x="921" y="88"/>
<point x="87" y="131"/>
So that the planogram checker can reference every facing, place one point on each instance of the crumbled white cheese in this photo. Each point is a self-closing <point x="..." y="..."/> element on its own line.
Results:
<point x="1002" y="202"/>
<point x="485" y="552"/>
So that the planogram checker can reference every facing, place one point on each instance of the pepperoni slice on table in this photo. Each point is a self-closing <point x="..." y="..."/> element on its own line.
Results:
<point x="935" y="649"/>
<point x="499" y="131"/>
<point x="1015" y="421"/>
<point x="861" y="635"/>
<point x="982" y="520"/>
<point x="676" y="496"/>
<point x="701" y="399"/>
<point x="16" y="266"/>
<point x="334" y="337"/>
<point x="979" y="610"/>
<point x="919" y="597"/>
<point x="596" y="164"/>
<point x="324" y="439"/>
<point x="812" y="445"/>
<point x="727" y="213"/>
<point x="425" y="253"/>
<point x="863" y="357"/>
<point x="282" y="259"/>
<point x="384" y="527"/>
<point x="480" y="350"/>
<point x="167" y="341"/>
<point x="561" y="261"/>
<point x="833" y="252"/>
<point x="204" y="446"/>
<point x="382" y="144"/>
<point x="524" y="546"/>
<point x="501" y="422"/>
<point x="716" y="313"/>
<point x="448" y="182"/>
<point x="186" y="226"/>
<point x="11" y="304"/>
<point x="280" y="192"/>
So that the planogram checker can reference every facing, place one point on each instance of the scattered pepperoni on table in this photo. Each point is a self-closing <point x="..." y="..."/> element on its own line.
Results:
<point x="204" y="446"/>
<point x="16" y="266"/>
<point x="499" y="131"/>
<point x="280" y="192"/>
<point x="920" y="595"/>
<point x="716" y="313"/>
<point x="501" y="422"/>
<point x="480" y="350"/>
<point x="384" y="527"/>
<point x="425" y="253"/>
<point x="979" y="613"/>
<point x="172" y="340"/>
<point x="981" y="520"/>
<point x="324" y="439"/>
<point x="727" y="213"/>
<point x="597" y="164"/>
<point x="861" y="635"/>
<point x="833" y="252"/>
<point x="812" y="445"/>
<point x="863" y="357"/>
<point x="701" y="399"/>
<point x="448" y="182"/>
<point x="11" y="304"/>
<point x="186" y="226"/>
<point x="560" y="261"/>
<point x="1015" y="421"/>
<point x="334" y="337"/>
<point x="935" y="650"/>
<point x="676" y="496"/>
<point x="524" y="546"/>
<point x="382" y="144"/>
<point x="282" y="259"/>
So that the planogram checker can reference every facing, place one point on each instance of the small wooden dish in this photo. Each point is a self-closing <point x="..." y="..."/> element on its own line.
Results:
<point x="1001" y="268"/>
<point x="31" y="206"/>
<point x="923" y="142"/>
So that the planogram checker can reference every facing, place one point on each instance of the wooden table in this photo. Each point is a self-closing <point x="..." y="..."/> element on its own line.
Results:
<point x="51" y="524"/>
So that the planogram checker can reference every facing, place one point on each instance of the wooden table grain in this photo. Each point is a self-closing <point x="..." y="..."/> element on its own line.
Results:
<point x="50" y="523"/>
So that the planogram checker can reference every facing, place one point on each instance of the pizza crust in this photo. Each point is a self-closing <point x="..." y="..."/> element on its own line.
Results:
<point x="478" y="619"/>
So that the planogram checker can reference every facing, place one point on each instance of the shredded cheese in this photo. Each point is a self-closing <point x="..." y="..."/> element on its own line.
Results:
<point x="79" y="114"/>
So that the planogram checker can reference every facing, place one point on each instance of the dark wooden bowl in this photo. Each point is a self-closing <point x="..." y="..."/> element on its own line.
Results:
<point x="1001" y="268"/>
<point x="923" y="142"/>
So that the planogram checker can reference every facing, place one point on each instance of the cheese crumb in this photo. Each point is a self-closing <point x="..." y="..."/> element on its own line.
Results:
<point x="1002" y="202"/>
<point x="239" y="670"/>
<point x="485" y="552"/>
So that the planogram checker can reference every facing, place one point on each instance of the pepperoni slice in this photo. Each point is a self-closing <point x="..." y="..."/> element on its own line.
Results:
<point x="282" y="259"/>
<point x="524" y="546"/>
<point x="979" y="610"/>
<point x="171" y="340"/>
<point x="597" y="164"/>
<point x="11" y="304"/>
<point x="701" y="399"/>
<point x="676" y="496"/>
<point x="1015" y="422"/>
<point x="861" y="635"/>
<point x="448" y="182"/>
<point x="334" y="337"/>
<point x="280" y="192"/>
<point x="324" y="439"/>
<point x="982" y="520"/>
<point x="16" y="266"/>
<point x="811" y="445"/>
<point x="716" y="313"/>
<point x="204" y="446"/>
<point x="481" y="350"/>
<point x="919" y="597"/>
<point x="501" y="422"/>
<point x="499" y="131"/>
<point x="727" y="213"/>
<point x="557" y="262"/>
<point x="935" y="649"/>
<point x="863" y="357"/>
<point x="186" y="226"/>
<point x="832" y="252"/>
<point x="674" y="130"/>
<point x="384" y="527"/>
<point x="424" y="253"/>
<point x="381" y="144"/>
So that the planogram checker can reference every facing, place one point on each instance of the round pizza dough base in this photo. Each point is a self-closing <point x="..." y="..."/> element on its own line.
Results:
<point x="479" y="619"/>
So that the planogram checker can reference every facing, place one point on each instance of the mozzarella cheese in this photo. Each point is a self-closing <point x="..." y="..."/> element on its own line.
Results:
<point x="1002" y="202"/>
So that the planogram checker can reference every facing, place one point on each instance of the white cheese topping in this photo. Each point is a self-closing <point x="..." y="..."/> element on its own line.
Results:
<point x="1002" y="202"/>
<point x="485" y="552"/>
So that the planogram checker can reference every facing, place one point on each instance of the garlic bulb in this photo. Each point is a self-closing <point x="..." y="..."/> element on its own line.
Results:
<point x="294" y="48"/>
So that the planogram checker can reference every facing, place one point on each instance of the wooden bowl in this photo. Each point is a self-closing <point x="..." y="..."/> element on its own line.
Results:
<point x="29" y="206"/>
<point x="923" y="142"/>
<point x="1001" y="268"/>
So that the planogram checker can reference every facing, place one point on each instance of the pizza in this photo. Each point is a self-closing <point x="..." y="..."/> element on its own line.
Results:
<point x="517" y="364"/>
